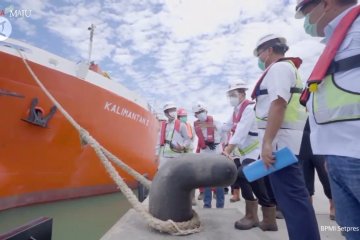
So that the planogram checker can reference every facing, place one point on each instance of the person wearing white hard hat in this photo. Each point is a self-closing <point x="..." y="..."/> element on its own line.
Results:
<point x="210" y="140"/>
<point x="281" y="120"/>
<point x="174" y="139"/>
<point x="244" y="140"/>
<point x="332" y="96"/>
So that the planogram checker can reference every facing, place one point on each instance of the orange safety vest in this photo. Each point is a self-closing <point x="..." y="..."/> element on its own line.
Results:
<point x="189" y="130"/>
<point x="210" y="133"/>
<point x="324" y="62"/>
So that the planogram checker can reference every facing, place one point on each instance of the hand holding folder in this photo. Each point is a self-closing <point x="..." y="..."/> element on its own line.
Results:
<point x="283" y="158"/>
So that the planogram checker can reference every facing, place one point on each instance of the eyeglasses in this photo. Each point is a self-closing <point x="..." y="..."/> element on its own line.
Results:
<point x="305" y="9"/>
<point x="197" y="113"/>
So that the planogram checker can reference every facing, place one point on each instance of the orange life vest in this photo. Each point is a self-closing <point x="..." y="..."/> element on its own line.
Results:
<point x="237" y="116"/>
<point x="210" y="133"/>
<point x="326" y="58"/>
<point x="177" y="124"/>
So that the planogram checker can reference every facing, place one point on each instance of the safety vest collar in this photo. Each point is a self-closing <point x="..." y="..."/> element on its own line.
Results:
<point x="293" y="60"/>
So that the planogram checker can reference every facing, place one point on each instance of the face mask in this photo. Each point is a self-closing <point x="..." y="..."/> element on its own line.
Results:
<point x="172" y="115"/>
<point x="234" y="101"/>
<point x="311" y="28"/>
<point x="202" y="116"/>
<point x="183" y="119"/>
<point x="261" y="64"/>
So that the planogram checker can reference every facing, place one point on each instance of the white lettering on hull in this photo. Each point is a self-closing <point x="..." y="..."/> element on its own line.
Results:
<point x="124" y="112"/>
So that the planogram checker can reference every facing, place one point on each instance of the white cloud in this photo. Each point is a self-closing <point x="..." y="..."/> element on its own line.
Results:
<point x="181" y="50"/>
<point x="24" y="26"/>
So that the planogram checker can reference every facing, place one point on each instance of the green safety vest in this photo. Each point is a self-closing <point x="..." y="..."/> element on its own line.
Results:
<point x="295" y="113"/>
<point x="333" y="104"/>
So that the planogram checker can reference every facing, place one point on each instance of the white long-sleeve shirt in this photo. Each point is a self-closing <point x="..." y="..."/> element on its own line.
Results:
<point x="246" y="125"/>
<point x="176" y="138"/>
<point x="340" y="138"/>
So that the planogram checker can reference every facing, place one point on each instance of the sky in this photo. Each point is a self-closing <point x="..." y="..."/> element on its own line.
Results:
<point x="182" y="51"/>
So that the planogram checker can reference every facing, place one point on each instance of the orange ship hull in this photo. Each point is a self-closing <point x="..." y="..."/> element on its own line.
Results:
<point x="40" y="164"/>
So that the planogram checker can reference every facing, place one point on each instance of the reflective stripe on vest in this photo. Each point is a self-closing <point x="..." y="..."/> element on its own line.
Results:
<point x="332" y="104"/>
<point x="295" y="114"/>
<point x="248" y="149"/>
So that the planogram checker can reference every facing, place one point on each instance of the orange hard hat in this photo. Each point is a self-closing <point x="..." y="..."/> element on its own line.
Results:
<point x="181" y="112"/>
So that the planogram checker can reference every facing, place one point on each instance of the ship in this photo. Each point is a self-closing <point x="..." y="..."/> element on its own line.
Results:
<point x="42" y="158"/>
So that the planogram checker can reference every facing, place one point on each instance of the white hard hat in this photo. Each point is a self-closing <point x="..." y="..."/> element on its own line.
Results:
<point x="238" y="85"/>
<point x="299" y="5"/>
<point x="169" y="105"/>
<point x="267" y="38"/>
<point x="197" y="107"/>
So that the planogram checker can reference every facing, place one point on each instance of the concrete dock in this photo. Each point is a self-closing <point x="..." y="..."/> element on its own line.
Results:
<point x="218" y="224"/>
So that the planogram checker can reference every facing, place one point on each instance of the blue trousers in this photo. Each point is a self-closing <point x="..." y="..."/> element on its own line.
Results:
<point x="294" y="201"/>
<point x="220" y="195"/>
<point x="344" y="175"/>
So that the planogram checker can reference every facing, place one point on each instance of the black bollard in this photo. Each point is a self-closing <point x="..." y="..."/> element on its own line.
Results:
<point x="170" y="192"/>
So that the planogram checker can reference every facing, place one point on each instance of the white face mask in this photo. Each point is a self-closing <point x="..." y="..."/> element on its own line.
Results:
<point x="234" y="101"/>
<point x="202" y="116"/>
<point x="172" y="114"/>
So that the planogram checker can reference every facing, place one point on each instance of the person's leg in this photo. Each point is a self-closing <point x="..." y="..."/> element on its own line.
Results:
<point x="250" y="219"/>
<point x="201" y="194"/>
<point x="269" y="190"/>
<point x="235" y="188"/>
<point x="345" y="185"/>
<point x="271" y="195"/>
<point x="207" y="197"/>
<point x="257" y="187"/>
<point x="294" y="200"/>
<point x="268" y="207"/>
<point x="319" y="163"/>
<point x="220" y="195"/>
<point x="306" y="160"/>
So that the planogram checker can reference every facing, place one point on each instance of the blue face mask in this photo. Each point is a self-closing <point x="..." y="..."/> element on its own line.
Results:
<point x="310" y="28"/>
<point x="261" y="64"/>
<point x="183" y="119"/>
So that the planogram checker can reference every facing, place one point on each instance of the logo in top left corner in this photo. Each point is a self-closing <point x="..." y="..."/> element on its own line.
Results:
<point x="5" y="28"/>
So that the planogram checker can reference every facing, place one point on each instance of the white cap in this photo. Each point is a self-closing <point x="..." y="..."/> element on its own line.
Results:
<point x="267" y="38"/>
<point x="197" y="107"/>
<point x="238" y="85"/>
<point x="169" y="105"/>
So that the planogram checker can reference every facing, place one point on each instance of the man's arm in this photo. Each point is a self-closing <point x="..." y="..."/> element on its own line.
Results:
<point x="274" y="121"/>
<point x="241" y="131"/>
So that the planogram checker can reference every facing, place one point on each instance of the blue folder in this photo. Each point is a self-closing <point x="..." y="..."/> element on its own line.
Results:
<point x="255" y="170"/>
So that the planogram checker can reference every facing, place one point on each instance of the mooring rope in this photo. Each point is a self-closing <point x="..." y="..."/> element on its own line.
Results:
<point x="106" y="157"/>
